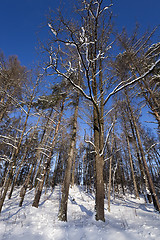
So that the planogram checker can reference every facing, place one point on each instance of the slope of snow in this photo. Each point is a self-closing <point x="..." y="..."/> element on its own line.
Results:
<point x="129" y="219"/>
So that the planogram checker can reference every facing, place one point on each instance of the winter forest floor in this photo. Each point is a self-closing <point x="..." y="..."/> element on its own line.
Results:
<point x="129" y="219"/>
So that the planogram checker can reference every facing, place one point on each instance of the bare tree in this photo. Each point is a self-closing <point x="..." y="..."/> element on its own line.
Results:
<point x="16" y="149"/>
<point x="86" y="43"/>
<point x="65" y="187"/>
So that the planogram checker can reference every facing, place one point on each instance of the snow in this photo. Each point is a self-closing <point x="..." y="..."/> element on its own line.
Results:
<point x="129" y="218"/>
<point x="53" y="31"/>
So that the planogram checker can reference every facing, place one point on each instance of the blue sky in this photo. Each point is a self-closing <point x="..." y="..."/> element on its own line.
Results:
<point x="21" y="21"/>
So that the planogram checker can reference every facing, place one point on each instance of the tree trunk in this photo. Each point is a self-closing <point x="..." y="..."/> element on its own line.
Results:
<point x="132" y="169"/>
<point x="109" y="184"/>
<point x="7" y="184"/>
<point x="143" y="175"/>
<point x="62" y="215"/>
<point x="23" y="159"/>
<point x="47" y="164"/>
<point x="4" y="174"/>
<point x="73" y="169"/>
<point x="110" y="171"/>
<point x="151" y="185"/>
<point x="39" y="158"/>
<point x="24" y="187"/>
<point x="99" y="163"/>
<point x="14" y="158"/>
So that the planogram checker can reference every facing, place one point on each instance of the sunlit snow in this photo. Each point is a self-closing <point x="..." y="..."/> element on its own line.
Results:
<point x="129" y="218"/>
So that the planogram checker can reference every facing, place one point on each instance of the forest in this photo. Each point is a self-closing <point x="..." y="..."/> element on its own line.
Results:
<point x="80" y="116"/>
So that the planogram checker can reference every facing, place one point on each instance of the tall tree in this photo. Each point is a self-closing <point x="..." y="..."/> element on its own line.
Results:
<point x="66" y="183"/>
<point x="17" y="148"/>
<point x="151" y="184"/>
<point x="12" y="79"/>
<point x="86" y="42"/>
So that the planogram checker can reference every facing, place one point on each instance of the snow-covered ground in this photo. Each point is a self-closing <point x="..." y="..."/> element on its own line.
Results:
<point x="129" y="219"/>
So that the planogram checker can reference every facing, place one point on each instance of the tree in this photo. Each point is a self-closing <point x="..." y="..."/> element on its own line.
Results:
<point x="12" y="78"/>
<point x="82" y="43"/>
<point x="57" y="96"/>
<point x="137" y="56"/>
<point x="65" y="187"/>
<point x="86" y="42"/>
<point x="151" y="185"/>
<point x="16" y="149"/>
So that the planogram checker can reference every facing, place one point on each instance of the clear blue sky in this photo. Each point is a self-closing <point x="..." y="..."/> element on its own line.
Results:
<point x="21" y="20"/>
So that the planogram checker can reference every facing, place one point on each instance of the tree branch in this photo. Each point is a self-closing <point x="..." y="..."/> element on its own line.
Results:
<point x="132" y="82"/>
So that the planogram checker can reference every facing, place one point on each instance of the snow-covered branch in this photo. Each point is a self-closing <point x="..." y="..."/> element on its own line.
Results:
<point x="88" y="141"/>
<point x="40" y="180"/>
<point x="5" y="158"/>
<point x="45" y="154"/>
<point x="52" y="30"/>
<point x="45" y="149"/>
<point x="15" y="101"/>
<point x="29" y="130"/>
<point x="105" y="8"/>
<point x="9" y="138"/>
<point x="72" y="82"/>
<point x="10" y="144"/>
<point x="117" y="89"/>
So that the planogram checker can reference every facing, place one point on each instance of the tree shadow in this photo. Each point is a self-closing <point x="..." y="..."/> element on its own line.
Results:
<point x="48" y="197"/>
<point x="82" y="207"/>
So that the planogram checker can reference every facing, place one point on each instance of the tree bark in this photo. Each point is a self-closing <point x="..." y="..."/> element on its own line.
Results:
<point x="47" y="164"/>
<point x="62" y="215"/>
<point x="14" y="157"/>
<point x="73" y="169"/>
<point x="99" y="163"/>
<point x="25" y="185"/>
<point x="151" y="185"/>
<point x="110" y="173"/>
<point x="132" y="169"/>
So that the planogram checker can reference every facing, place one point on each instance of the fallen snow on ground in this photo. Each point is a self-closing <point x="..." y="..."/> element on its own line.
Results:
<point x="129" y="219"/>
